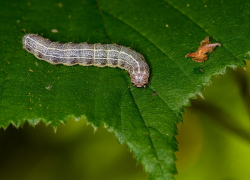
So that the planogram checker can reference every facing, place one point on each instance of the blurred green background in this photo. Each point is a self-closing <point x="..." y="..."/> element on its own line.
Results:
<point x="214" y="143"/>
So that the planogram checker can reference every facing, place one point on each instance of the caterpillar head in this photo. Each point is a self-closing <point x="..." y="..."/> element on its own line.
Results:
<point x="139" y="79"/>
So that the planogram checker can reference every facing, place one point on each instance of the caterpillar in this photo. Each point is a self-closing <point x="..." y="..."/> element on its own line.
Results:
<point x="85" y="54"/>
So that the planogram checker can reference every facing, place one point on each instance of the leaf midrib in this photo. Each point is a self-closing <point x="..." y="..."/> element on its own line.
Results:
<point x="133" y="97"/>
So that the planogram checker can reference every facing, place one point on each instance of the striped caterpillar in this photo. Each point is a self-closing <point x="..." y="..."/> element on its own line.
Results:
<point x="86" y="54"/>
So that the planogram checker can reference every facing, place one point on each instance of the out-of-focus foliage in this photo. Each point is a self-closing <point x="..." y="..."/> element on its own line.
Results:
<point x="214" y="141"/>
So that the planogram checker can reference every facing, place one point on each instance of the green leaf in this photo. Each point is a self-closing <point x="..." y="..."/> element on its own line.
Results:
<point x="163" y="31"/>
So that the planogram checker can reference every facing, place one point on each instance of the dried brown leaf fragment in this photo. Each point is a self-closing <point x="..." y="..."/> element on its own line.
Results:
<point x="205" y="47"/>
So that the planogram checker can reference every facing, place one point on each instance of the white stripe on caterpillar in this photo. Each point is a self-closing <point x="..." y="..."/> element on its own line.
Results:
<point x="86" y="54"/>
